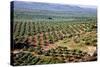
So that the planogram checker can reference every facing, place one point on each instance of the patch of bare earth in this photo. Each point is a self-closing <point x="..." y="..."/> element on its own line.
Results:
<point x="50" y="46"/>
<point x="72" y="45"/>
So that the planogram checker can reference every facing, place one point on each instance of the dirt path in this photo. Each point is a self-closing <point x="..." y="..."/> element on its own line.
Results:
<point x="90" y="50"/>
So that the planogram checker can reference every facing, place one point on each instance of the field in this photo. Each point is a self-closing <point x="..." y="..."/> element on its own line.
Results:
<point x="53" y="37"/>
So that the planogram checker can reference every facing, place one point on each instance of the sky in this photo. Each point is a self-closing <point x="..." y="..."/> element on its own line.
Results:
<point x="74" y="2"/>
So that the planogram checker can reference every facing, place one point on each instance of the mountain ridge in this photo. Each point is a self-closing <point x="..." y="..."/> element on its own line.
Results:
<point x="49" y="6"/>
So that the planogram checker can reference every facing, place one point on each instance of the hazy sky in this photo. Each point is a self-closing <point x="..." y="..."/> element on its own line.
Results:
<point x="79" y="2"/>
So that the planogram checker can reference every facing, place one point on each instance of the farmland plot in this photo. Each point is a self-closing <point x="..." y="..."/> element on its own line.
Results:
<point x="49" y="37"/>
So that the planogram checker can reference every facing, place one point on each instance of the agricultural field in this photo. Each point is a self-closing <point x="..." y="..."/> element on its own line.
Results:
<point x="50" y="37"/>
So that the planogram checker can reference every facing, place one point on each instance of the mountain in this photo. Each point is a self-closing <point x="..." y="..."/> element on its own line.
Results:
<point x="37" y="10"/>
<point x="49" y="6"/>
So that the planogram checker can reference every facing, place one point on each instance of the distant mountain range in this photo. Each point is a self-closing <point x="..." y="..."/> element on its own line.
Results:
<point x="37" y="10"/>
<point x="19" y="5"/>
